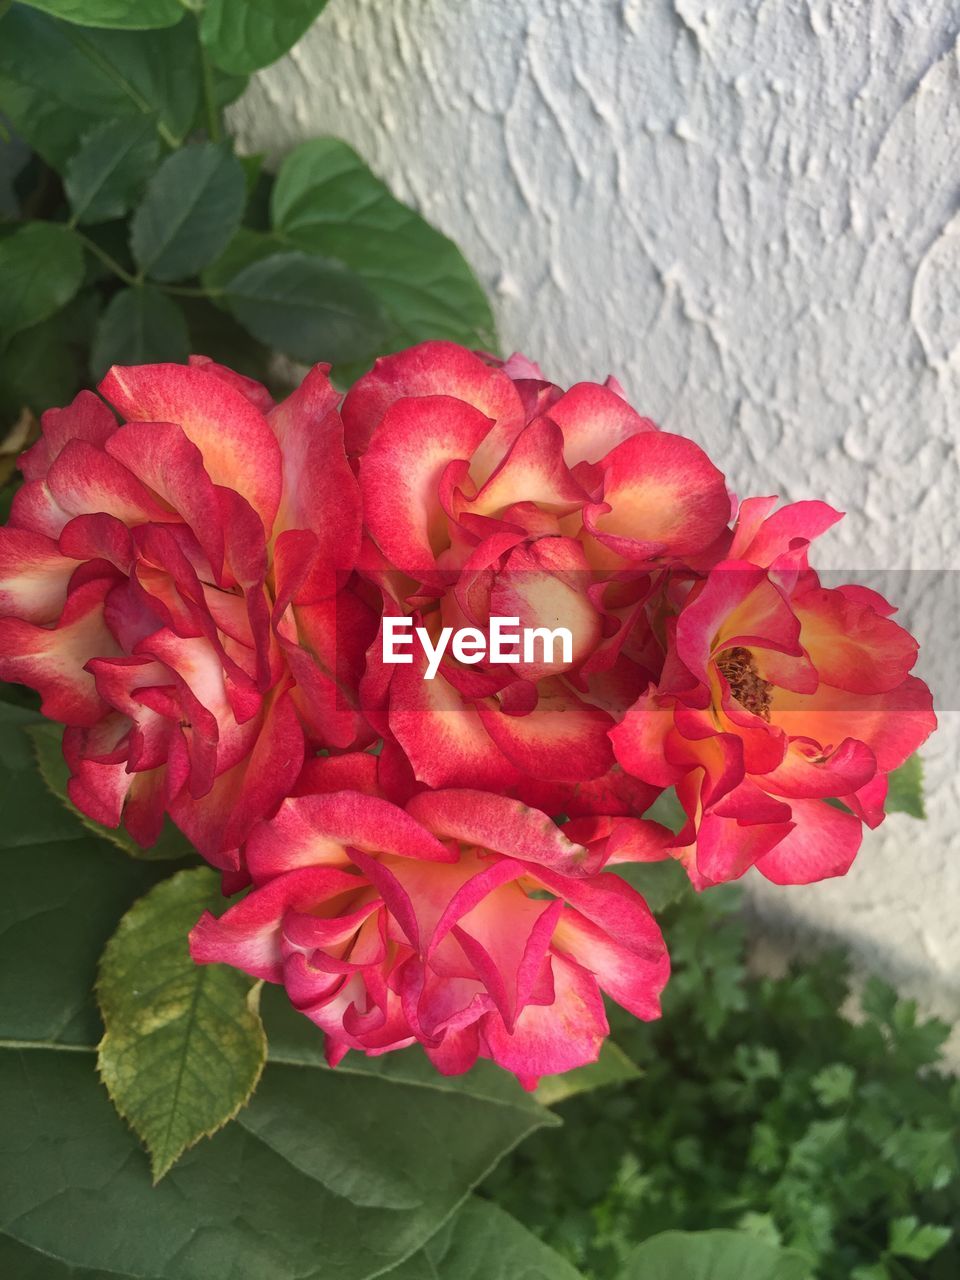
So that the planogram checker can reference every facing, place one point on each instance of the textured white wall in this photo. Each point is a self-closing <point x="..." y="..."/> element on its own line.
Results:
<point x="746" y="209"/>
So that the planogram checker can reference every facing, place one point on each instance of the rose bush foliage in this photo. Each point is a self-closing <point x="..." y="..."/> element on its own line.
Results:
<point x="196" y="591"/>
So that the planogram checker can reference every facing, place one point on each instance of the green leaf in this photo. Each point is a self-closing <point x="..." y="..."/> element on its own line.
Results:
<point x="226" y="88"/>
<point x="105" y="176"/>
<point x="65" y="892"/>
<point x="909" y="1239"/>
<point x="660" y="883"/>
<point x="140" y="326"/>
<point x="14" y="158"/>
<point x="246" y="247"/>
<point x="192" y="207"/>
<point x="878" y="999"/>
<point x="482" y="1242"/>
<point x="59" y="81"/>
<point x="133" y="15"/>
<point x="184" y="1046"/>
<point x="834" y="1084"/>
<point x="41" y="268"/>
<point x="45" y="365"/>
<point x="306" y="307"/>
<point x="325" y="1175"/>
<point x="612" y="1067"/>
<point x="215" y="332"/>
<point x="905" y="789"/>
<point x="668" y="811"/>
<point x="374" y="1170"/>
<point x="46" y="738"/>
<point x="326" y="201"/>
<point x="243" y="35"/>
<point x="712" y="1255"/>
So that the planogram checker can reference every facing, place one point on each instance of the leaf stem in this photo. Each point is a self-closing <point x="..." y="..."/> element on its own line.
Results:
<point x="138" y="281"/>
<point x="48" y="1044"/>
<point x="213" y="115"/>
<point x="110" y="72"/>
<point x="110" y="263"/>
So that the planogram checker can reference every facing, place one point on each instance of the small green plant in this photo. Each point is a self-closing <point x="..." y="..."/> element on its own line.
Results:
<point x="761" y="1106"/>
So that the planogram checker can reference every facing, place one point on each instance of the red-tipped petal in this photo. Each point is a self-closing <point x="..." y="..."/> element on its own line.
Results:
<point x="52" y="660"/>
<point x="33" y="575"/>
<point x="662" y="499"/>
<point x="248" y="934"/>
<point x="594" y="420"/>
<point x="548" y="1040"/>
<point x="239" y="449"/>
<point x="400" y="474"/>
<point x="823" y="843"/>
<point x="494" y="822"/>
<point x="430" y="369"/>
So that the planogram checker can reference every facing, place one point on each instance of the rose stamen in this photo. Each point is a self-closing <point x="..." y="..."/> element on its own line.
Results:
<point x="746" y="685"/>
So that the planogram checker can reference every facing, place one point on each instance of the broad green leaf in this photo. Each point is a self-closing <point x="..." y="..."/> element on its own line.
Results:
<point x="215" y="332"/>
<point x="376" y="1169"/>
<point x="130" y="14"/>
<point x="191" y="209"/>
<point x="14" y="158"/>
<point x="482" y="1242"/>
<point x="41" y="268"/>
<point x="58" y="81"/>
<point x="105" y="176"/>
<point x="668" y="811"/>
<point x="327" y="201"/>
<point x="140" y="326"/>
<point x="46" y="738"/>
<point x="905" y="789"/>
<point x="45" y="365"/>
<point x="65" y="891"/>
<point x="23" y="1263"/>
<point x="660" y="883"/>
<point x="306" y="307"/>
<point x="326" y="1175"/>
<point x="184" y="1046"/>
<point x="612" y="1067"/>
<point x="245" y="248"/>
<point x="226" y="87"/>
<point x="243" y="35"/>
<point x="712" y="1255"/>
<point x="909" y="1238"/>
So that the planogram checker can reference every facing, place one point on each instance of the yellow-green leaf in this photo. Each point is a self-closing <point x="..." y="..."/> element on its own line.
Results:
<point x="184" y="1045"/>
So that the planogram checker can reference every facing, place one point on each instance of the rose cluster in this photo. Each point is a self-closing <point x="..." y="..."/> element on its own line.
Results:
<point x="195" y="580"/>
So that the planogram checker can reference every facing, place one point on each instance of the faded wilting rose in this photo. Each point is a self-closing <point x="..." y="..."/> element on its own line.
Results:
<point x="777" y="696"/>
<point x="468" y="923"/>
<point x="490" y="492"/>
<point x="170" y="585"/>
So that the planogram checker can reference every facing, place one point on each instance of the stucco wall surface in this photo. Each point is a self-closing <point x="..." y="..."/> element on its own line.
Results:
<point x="747" y="210"/>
